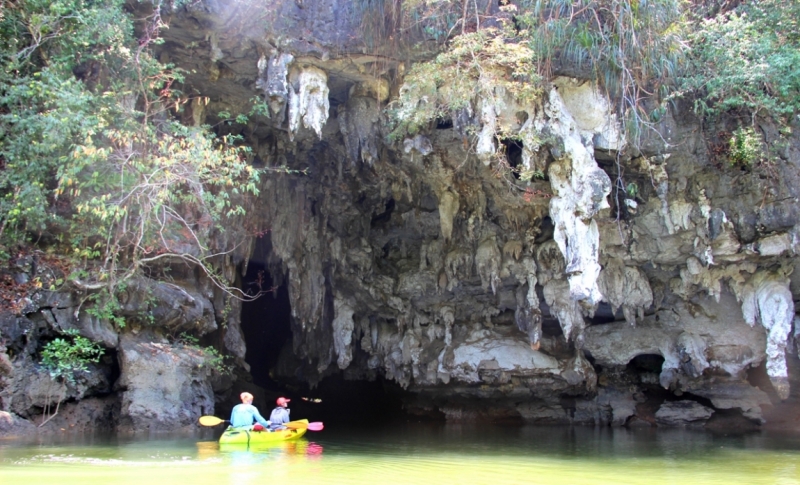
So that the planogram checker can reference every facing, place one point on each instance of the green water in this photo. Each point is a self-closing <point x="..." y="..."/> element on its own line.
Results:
<point x="414" y="454"/>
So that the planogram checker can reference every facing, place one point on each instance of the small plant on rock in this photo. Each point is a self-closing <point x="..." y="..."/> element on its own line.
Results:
<point x="745" y="148"/>
<point x="63" y="356"/>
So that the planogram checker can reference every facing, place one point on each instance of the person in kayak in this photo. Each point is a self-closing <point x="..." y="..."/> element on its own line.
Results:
<point x="280" y="414"/>
<point x="246" y="415"/>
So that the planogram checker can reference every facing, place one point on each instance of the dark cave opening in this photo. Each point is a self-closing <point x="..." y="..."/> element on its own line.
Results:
<point x="266" y="327"/>
<point x="513" y="149"/>
<point x="444" y="123"/>
<point x="383" y="217"/>
<point x="353" y="402"/>
<point x="646" y="363"/>
<point x="604" y="314"/>
<point x="265" y="324"/>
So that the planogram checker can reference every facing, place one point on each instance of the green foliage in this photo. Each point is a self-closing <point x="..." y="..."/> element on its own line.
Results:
<point x="105" y="306"/>
<point x="744" y="148"/>
<point x="632" y="190"/>
<point x="486" y="64"/>
<point x="749" y="59"/>
<point x="634" y="49"/>
<point x="72" y="353"/>
<point x="213" y="358"/>
<point x="91" y="152"/>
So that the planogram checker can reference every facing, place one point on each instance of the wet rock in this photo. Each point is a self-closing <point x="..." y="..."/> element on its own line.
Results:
<point x="12" y="425"/>
<point x="682" y="413"/>
<point x="615" y="406"/>
<point x="727" y="394"/>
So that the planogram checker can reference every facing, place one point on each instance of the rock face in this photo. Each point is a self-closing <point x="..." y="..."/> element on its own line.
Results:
<point x="163" y="386"/>
<point x="565" y="299"/>
<point x="682" y="413"/>
<point x="142" y="383"/>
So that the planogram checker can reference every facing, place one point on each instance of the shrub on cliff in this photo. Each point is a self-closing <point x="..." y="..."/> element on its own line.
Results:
<point x="747" y="59"/>
<point x="632" y="49"/>
<point x="92" y="158"/>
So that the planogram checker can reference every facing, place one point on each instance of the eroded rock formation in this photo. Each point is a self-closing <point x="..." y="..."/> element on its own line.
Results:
<point x="562" y="300"/>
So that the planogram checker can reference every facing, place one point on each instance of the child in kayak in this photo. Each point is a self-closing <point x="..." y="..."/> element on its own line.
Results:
<point x="280" y="414"/>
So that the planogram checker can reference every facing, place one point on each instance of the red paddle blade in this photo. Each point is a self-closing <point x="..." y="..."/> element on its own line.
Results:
<point x="316" y="426"/>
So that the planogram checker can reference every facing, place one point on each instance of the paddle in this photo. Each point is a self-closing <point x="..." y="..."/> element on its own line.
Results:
<point x="315" y="426"/>
<point x="211" y="420"/>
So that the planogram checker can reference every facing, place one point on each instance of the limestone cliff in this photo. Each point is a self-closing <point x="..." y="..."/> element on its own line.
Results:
<point x="566" y="299"/>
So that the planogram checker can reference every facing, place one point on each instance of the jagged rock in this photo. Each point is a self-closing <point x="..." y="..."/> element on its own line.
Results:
<point x="691" y="350"/>
<point x="569" y="313"/>
<point x="727" y="394"/>
<point x="389" y="263"/>
<point x="448" y="208"/>
<point x="174" y="306"/>
<point x="33" y="388"/>
<point x="358" y="123"/>
<point x="729" y="344"/>
<point x="766" y="299"/>
<point x="272" y="79"/>
<point x="308" y="99"/>
<point x="505" y="355"/>
<point x="419" y="143"/>
<point x="163" y="386"/>
<point x="592" y="113"/>
<point x="89" y="414"/>
<point x="487" y="262"/>
<point x="626" y="287"/>
<point x="580" y="189"/>
<point x="682" y="413"/>
<point x="343" y="326"/>
<point x="615" y="406"/>
<point x="528" y="315"/>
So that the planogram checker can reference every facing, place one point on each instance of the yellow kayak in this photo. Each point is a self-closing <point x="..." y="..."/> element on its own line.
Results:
<point x="250" y="437"/>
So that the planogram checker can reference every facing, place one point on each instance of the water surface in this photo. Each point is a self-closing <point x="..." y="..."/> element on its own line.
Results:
<point x="413" y="454"/>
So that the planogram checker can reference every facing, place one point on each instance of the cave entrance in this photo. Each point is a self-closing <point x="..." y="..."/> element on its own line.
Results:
<point x="649" y="363"/>
<point x="265" y="324"/>
<point x="267" y="331"/>
<point x="353" y="402"/>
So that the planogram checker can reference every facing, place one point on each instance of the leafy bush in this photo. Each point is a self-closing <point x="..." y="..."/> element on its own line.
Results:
<point x="73" y="353"/>
<point x="744" y="147"/>
<point x="633" y="48"/>
<point x="475" y="66"/>
<point x="92" y="156"/>
<point x="747" y="59"/>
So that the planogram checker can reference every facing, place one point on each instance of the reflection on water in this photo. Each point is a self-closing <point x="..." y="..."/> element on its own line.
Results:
<point x="212" y="449"/>
<point x="418" y="454"/>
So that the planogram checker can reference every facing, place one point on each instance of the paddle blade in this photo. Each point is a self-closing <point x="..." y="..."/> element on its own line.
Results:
<point x="210" y="420"/>
<point x="315" y="426"/>
<point x="296" y="425"/>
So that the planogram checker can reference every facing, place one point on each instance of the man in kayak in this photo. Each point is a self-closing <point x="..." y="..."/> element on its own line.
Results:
<point x="280" y="414"/>
<point x="245" y="414"/>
